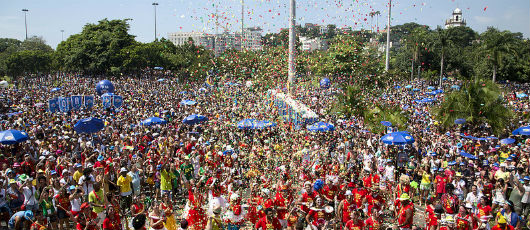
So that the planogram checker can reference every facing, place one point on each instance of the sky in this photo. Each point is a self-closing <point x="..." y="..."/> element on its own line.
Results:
<point x="48" y="18"/>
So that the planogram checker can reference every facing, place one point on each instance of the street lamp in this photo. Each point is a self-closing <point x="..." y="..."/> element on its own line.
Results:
<point x="25" y="21"/>
<point x="155" y="4"/>
<point x="387" y="60"/>
<point x="62" y="35"/>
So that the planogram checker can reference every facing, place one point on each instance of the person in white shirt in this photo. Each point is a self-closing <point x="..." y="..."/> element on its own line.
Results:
<point x="86" y="181"/>
<point x="473" y="198"/>
<point x="29" y="191"/>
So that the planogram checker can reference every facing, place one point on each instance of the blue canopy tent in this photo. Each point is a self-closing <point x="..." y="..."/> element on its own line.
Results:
<point x="427" y="100"/>
<point x="432" y="93"/>
<point x="521" y="95"/>
<point x="386" y="123"/>
<point x="188" y="102"/>
<point x="321" y="127"/>
<point x="12" y="136"/>
<point x="415" y="90"/>
<point x="468" y="155"/>
<point x="525" y="130"/>
<point x="438" y="91"/>
<point x="397" y="138"/>
<point x="507" y="141"/>
<point x="264" y="124"/>
<point x="89" y="125"/>
<point x="153" y="121"/>
<point x="430" y="88"/>
<point x="460" y="121"/>
<point x="194" y="119"/>
<point x="246" y="124"/>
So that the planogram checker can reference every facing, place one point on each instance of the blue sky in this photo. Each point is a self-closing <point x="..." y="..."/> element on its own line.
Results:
<point x="47" y="18"/>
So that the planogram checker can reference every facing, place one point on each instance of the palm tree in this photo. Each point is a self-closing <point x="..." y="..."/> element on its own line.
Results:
<point x="496" y="44"/>
<point x="478" y="102"/>
<point x="442" y="42"/>
<point x="377" y="13"/>
<point x="414" y="41"/>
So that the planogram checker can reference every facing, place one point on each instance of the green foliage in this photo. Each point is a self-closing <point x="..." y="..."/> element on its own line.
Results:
<point x="29" y="61"/>
<point x="478" y="102"/>
<point x="98" y="48"/>
<point x="380" y="112"/>
<point x="351" y="102"/>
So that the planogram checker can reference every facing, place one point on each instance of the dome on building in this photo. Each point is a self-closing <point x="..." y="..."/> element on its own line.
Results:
<point x="457" y="11"/>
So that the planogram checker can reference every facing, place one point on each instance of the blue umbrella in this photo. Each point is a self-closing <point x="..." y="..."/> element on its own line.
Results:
<point x="438" y="91"/>
<point x="264" y="124"/>
<point x="432" y="93"/>
<point x="507" y="141"/>
<point x="430" y="88"/>
<point x="468" y="155"/>
<point x="246" y="124"/>
<point x="408" y="87"/>
<point x="460" y="121"/>
<point x="9" y="137"/>
<point x="386" y="123"/>
<point x="55" y="89"/>
<point x="321" y="127"/>
<point x="153" y="121"/>
<point x="455" y="87"/>
<point x="194" y="119"/>
<point x="525" y="130"/>
<point x="415" y="90"/>
<point x="451" y="163"/>
<point x="492" y="138"/>
<point x="397" y="87"/>
<point x="89" y="125"/>
<point x="397" y="138"/>
<point x="427" y="100"/>
<point x="521" y="95"/>
<point x="188" y="102"/>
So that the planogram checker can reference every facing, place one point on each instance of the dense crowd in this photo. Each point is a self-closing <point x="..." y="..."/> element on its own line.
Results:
<point x="213" y="175"/>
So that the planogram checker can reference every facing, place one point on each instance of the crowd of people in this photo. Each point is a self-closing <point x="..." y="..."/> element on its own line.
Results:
<point x="214" y="175"/>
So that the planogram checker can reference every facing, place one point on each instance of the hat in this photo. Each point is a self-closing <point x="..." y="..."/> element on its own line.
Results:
<point x="307" y="183"/>
<point x="496" y="164"/>
<point x="89" y="165"/>
<point x="16" y="164"/>
<point x="65" y="171"/>
<point x="485" y="163"/>
<point x="509" y="159"/>
<point x="527" y="178"/>
<point x="458" y="174"/>
<point x="462" y="164"/>
<point x="77" y="165"/>
<point x="503" y="165"/>
<point x="348" y="193"/>
<point x="449" y="218"/>
<point x="501" y="220"/>
<point x="12" y="181"/>
<point x="440" y="169"/>
<point x="53" y="172"/>
<point x="459" y="145"/>
<point x="123" y="170"/>
<point x="404" y="196"/>
<point x="72" y="187"/>
<point x="100" y="158"/>
<point x="468" y="205"/>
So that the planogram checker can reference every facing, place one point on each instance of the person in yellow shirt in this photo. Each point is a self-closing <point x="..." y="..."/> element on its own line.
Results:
<point x="425" y="184"/>
<point x="78" y="172"/>
<point x="165" y="180"/>
<point x="124" y="182"/>
<point x="97" y="201"/>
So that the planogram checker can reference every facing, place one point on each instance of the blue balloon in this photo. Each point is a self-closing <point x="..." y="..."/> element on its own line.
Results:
<point x="104" y="86"/>
<point x="325" y="83"/>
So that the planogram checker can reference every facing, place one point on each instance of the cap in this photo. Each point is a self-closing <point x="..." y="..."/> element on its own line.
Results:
<point x="100" y="158"/>
<point x="404" y="196"/>
<point x="527" y="178"/>
<point x="348" y="193"/>
<point x="468" y="205"/>
<point x="307" y="183"/>
<point x="77" y="165"/>
<point x="53" y="172"/>
<point x="123" y="170"/>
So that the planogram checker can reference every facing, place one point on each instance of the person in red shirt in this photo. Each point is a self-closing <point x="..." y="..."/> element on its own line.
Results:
<point x="345" y="208"/>
<point x="440" y="181"/>
<point x="269" y="222"/>
<point x="317" y="214"/>
<point x="355" y="222"/>
<point x="110" y="222"/>
<point x="406" y="213"/>
<point x="464" y="221"/>
<point x="450" y="201"/>
<point x="372" y="223"/>
<point x="86" y="219"/>
<point x="307" y="198"/>
<point x="502" y="224"/>
<point x="359" y="196"/>
<point x="484" y="212"/>
<point x="280" y="203"/>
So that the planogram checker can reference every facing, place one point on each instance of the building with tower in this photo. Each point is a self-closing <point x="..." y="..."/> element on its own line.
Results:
<point x="456" y="20"/>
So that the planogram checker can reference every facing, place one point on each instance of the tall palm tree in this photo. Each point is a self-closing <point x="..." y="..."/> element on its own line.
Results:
<point x="377" y="14"/>
<point x="497" y="44"/>
<point x="413" y="42"/>
<point x="443" y="42"/>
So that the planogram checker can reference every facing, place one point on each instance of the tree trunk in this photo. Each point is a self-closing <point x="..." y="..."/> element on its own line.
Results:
<point x="441" y="69"/>
<point x="494" y="72"/>
<point x="412" y="70"/>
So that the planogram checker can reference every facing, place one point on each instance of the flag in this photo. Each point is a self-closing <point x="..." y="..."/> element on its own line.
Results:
<point x="77" y="102"/>
<point x="117" y="101"/>
<point x="89" y="101"/>
<point x="63" y="104"/>
<point x="53" y="105"/>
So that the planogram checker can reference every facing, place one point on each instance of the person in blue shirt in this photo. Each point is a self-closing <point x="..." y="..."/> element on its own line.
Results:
<point x="20" y="220"/>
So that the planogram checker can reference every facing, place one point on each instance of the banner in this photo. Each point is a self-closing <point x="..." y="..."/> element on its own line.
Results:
<point x="53" y="105"/>
<point x="107" y="101"/>
<point x="89" y="102"/>
<point x="77" y="102"/>
<point x="118" y="101"/>
<point x="63" y="104"/>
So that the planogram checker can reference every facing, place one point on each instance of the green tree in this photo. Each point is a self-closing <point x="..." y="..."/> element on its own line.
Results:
<point x="29" y="61"/>
<point x="35" y="43"/>
<point x="478" y="102"/>
<point x="442" y="43"/>
<point x="97" y="49"/>
<point x="497" y="45"/>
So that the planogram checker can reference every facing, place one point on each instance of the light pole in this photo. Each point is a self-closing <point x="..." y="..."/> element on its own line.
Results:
<point x="155" y="4"/>
<point x="25" y="21"/>
<point x="62" y="35"/>
<point x="292" y="40"/>
<point x="388" y="36"/>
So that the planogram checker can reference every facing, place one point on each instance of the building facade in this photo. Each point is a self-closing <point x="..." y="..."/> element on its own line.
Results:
<point x="220" y="42"/>
<point x="456" y="19"/>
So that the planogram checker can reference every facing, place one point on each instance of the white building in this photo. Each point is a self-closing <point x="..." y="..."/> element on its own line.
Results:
<point x="456" y="20"/>
<point x="311" y="44"/>
<point x="220" y="42"/>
